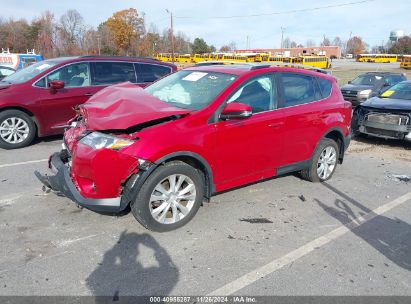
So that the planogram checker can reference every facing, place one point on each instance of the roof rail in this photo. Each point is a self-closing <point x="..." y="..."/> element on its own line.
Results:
<point x="257" y="65"/>
<point x="289" y="65"/>
<point x="114" y="56"/>
<point x="204" y="63"/>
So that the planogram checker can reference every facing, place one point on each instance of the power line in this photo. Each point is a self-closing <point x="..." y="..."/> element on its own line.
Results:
<point x="279" y="13"/>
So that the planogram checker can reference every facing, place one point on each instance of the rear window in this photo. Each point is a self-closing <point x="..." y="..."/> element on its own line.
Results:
<point x="151" y="72"/>
<point x="297" y="89"/>
<point x="325" y="87"/>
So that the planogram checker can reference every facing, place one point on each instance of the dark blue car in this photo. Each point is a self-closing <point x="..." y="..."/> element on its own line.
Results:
<point x="387" y="115"/>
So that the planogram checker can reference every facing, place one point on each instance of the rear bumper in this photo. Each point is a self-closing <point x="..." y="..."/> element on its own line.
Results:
<point x="61" y="181"/>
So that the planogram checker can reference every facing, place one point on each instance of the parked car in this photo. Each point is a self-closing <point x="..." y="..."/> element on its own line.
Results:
<point x="165" y="149"/>
<point x="40" y="99"/>
<point x="386" y="116"/>
<point x="368" y="85"/>
<point x="5" y="71"/>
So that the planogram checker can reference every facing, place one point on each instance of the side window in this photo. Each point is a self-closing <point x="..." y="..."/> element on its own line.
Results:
<point x="325" y="86"/>
<point x="106" y="73"/>
<point x="297" y="89"/>
<point x="73" y="75"/>
<point x="41" y="83"/>
<point x="258" y="93"/>
<point x="150" y="72"/>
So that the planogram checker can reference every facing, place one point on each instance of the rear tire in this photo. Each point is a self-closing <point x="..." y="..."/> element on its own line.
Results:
<point x="162" y="207"/>
<point x="323" y="163"/>
<point x="17" y="129"/>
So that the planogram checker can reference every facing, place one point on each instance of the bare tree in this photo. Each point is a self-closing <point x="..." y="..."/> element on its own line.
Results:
<point x="287" y="43"/>
<point x="71" y="30"/>
<point x="310" y="43"/>
<point x="325" y="42"/>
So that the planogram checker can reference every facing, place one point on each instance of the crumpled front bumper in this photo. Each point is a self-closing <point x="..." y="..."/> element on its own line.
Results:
<point x="61" y="182"/>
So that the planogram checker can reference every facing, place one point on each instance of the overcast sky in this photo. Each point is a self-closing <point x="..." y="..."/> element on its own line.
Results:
<point x="371" y="20"/>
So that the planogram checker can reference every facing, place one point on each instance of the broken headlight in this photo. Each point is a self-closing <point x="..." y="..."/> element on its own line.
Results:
<point x="98" y="140"/>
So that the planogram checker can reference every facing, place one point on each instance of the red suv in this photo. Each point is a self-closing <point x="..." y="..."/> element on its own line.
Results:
<point x="40" y="99"/>
<point x="165" y="149"/>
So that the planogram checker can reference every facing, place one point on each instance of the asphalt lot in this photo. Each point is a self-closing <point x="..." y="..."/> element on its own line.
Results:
<point x="284" y="236"/>
<point x="50" y="247"/>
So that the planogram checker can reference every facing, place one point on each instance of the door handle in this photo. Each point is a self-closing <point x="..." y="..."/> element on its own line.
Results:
<point x="88" y="94"/>
<point x="276" y="124"/>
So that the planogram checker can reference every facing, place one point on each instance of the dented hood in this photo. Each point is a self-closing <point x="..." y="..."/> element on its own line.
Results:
<point x="125" y="105"/>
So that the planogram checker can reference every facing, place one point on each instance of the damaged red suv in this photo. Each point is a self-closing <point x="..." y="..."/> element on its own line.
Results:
<point x="166" y="149"/>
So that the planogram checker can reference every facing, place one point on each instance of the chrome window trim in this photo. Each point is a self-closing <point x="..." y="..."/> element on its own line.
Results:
<point x="67" y="64"/>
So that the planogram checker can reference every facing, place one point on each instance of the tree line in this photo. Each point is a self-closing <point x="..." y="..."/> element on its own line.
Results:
<point x="126" y="33"/>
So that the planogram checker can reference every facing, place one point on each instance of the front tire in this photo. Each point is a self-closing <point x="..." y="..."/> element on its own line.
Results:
<point x="170" y="197"/>
<point x="323" y="163"/>
<point x="17" y="129"/>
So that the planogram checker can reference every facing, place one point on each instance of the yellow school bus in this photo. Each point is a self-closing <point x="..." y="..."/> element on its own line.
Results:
<point x="262" y="57"/>
<point x="321" y="62"/>
<point x="202" y="57"/>
<point x="234" y="58"/>
<point x="385" y="58"/>
<point x="406" y="62"/>
<point x="186" y="58"/>
<point x="165" y="57"/>
<point x="365" y="57"/>
<point x="282" y="59"/>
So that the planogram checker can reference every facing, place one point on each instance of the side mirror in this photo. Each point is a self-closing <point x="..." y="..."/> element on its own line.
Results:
<point x="236" y="110"/>
<point x="349" y="82"/>
<point x="386" y="84"/>
<point x="56" y="84"/>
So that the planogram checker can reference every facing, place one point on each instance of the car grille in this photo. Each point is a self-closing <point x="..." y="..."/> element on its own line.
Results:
<point x="349" y="95"/>
<point x="384" y="133"/>
<point x="385" y="118"/>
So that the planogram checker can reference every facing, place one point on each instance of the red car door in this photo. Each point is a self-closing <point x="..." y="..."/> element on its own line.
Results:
<point x="58" y="105"/>
<point x="303" y="111"/>
<point x="250" y="149"/>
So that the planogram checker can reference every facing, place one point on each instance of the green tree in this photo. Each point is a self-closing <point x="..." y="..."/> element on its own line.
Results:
<point x="402" y="46"/>
<point x="199" y="46"/>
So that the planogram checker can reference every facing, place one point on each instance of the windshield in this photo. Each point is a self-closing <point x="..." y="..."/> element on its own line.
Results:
<point x="370" y="80"/>
<point x="29" y="72"/>
<point x="398" y="91"/>
<point x="192" y="90"/>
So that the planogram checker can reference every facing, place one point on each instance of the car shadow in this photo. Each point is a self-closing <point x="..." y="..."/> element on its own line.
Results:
<point x="391" y="237"/>
<point x="122" y="273"/>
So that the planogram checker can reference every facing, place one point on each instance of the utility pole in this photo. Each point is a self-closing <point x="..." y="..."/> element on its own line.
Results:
<point x="346" y="45"/>
<point x="247" y="44"/>
<point x="172" y="35"/>
<point x="282" y="36"/>
<point x="98" y="44"/>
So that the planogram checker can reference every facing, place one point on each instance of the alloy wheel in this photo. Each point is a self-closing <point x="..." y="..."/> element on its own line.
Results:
<point x="172" y="199"/>
<point x="326" y="162"/>
<point x="14" y="130"/>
